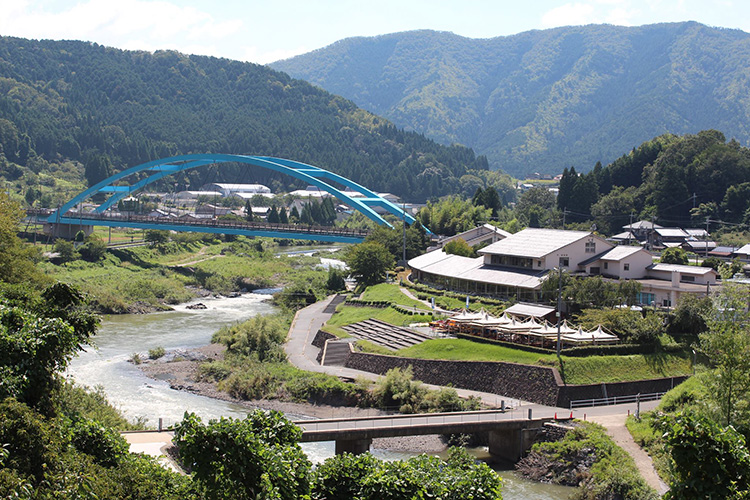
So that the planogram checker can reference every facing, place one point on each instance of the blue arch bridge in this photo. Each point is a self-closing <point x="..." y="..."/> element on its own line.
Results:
<point x="65" y="222"/>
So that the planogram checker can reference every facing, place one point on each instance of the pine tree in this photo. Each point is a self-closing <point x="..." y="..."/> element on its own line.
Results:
<point x="248" y="211"/>
<point x="283" y="218"/>
<point x="273" y="216"/>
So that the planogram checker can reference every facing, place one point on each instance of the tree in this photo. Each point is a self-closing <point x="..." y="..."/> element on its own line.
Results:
<point x="726" y="344"/>
<point x="674" y="255"/>
<point x="283" y="217"/>
<point x="258" y="457"/>
<point x="335" y="281"/>
<point x="93" y="248"/>
<point x="65" y="250"/>
<point x="36" y="345"/>
<point x="459" y="247"/>
<point x="17" y="259"/>
<point x="708" y="460"/>
<point x="393" y="239"/>
<point x="156" y="237"/>
<point x="248" y="211"/>
<point x="273" y="216"/>
<point x="369" y="262"/>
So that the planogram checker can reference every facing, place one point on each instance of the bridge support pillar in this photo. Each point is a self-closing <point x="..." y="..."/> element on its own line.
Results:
<point x="511" y="444"/>
<point x="67" y="231"/>
<point x="353" y="446"/>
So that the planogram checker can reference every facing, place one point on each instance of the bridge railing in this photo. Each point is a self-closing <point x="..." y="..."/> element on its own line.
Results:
<point x="615" y="400"/>
<point x="389" y="421"/>
<point x="214" y="222"/>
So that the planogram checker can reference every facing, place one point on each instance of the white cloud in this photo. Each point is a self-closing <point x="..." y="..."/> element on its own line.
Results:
<point x="570" y="14"/>
<point x="143" y="24"/>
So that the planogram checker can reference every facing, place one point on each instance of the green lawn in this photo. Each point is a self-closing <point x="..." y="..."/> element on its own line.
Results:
<point x="584" y="370"/>
<point x="392" y="293"/>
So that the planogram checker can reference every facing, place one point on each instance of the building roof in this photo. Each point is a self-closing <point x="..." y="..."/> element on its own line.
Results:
<point x="614" y="254"/>
<point x="744" y="250"/>
<point x="700" y="245"/>
<point x="642" y="224"/>
<point x="624" y="236"/>
<point x="465" y="268"/>
<point x="671" y="232"/>
<point x="697" y="233"/>
<point x="723" y="251"/>
<point x="534" y="243"/>
<point x="681" y="269"/>
<point x="233" y="188"/>
<point x="529" y="310"/>
<point x="657" y="284"/>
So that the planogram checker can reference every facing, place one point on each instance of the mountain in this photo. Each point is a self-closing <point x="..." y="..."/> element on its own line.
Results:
<point x="541" y="101"/>
<point x="73" y="111"/>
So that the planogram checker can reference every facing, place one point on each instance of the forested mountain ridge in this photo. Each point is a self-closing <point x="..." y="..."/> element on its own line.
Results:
<point x="541" y="101"/>
<point x="69" y="109"/>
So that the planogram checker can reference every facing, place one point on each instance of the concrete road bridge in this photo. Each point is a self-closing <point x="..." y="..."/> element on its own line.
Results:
<point x="66" y="222"/>
<point x="509" y="438"/>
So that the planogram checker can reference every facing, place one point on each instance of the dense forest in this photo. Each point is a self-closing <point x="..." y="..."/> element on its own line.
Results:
<point x="675" y="181"/>
<point x="541" y="101"/>
<point x="73" y="110"/>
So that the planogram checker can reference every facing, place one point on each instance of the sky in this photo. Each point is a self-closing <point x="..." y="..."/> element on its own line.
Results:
<point x="264" y="31"/>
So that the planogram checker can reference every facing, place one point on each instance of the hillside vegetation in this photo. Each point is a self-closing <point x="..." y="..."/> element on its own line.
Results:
<point x="545" y="100"/>
<point x="72" y="113"/>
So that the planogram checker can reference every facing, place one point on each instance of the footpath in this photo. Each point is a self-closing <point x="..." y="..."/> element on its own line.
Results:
<point x="303" y="355"/>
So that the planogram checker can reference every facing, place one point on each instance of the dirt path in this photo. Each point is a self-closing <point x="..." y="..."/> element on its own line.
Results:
<point x="615" y="425"/>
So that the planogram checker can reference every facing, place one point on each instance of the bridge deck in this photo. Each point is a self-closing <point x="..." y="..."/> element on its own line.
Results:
<point x="413" y="425"/>
<point x="211" y="225"/>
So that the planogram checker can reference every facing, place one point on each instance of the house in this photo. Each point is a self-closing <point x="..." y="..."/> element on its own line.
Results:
<point x="213" y="210"/>
<point x="517" y="265"/>
<point x="723" y="252"/>
<point x="642" y="229"/>
<point x="743" y="253"/>
<point x="230" y="189"/>
<point x="667" y="283"/>
<point x="620" y="262"/>
<point x="669" y="237"/>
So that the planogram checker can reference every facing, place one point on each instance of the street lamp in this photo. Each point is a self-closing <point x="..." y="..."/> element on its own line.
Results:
<point x="559" y="309"/>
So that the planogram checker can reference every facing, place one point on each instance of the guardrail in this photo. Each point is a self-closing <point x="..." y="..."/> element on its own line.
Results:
<point x="615" y="400"/>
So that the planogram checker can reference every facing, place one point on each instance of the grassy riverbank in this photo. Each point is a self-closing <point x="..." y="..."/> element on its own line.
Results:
<point x="147" y="278"/>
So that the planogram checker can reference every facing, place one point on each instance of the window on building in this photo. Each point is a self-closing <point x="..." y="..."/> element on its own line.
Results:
<point x="564" y="262"/>
<point x="595" y="271"/>
<point x="645" y="298"/>
<point x="626" y="267"/>
<point x="606" y="265"/>
<point x="667" y="303"/>
<point x="590" y="247"/>
<point x="689" y="279"/>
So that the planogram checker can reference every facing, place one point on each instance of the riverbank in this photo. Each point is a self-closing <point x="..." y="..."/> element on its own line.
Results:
<point x="180" y="369"/>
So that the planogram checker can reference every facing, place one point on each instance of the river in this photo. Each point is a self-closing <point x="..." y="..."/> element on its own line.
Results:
<point x="138" y="396"/>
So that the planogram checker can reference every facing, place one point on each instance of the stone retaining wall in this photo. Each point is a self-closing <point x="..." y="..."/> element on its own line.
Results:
<point x="537" y="384"/>
<point x="530" y="383"/>
<point x="320" y="338"/>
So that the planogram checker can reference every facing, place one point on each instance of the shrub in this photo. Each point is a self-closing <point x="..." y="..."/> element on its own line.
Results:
<point x="105" y="445"/>
<point x="156" y="352"/>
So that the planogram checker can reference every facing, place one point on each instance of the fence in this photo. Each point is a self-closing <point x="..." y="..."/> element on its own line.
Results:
<point x="614" y="400"/>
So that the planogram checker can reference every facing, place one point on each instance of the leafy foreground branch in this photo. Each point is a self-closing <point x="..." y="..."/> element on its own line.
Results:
<point x="259" y="457"/>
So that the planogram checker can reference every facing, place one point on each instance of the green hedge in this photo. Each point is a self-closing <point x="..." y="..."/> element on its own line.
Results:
<point x="580" y="352"/>
<point x="382" y="304"/>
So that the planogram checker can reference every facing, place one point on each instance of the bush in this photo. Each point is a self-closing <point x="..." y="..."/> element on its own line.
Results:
<point x="156" y="352"/>
<point x="105" y="445"/>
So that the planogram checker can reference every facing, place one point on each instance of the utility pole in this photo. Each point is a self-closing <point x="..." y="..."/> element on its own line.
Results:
<point x="559" y="312"/>
<point x="630" y="227"/>
<point x="403" y="217"/>
<point x="565" y="211"/>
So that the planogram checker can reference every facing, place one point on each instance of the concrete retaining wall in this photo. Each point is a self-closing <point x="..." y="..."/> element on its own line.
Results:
<point x="320" y="338"/>
<point x="570" y="393"/>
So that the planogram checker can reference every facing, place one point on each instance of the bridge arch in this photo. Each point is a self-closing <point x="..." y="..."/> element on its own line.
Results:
<point x="164" y="167"/>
